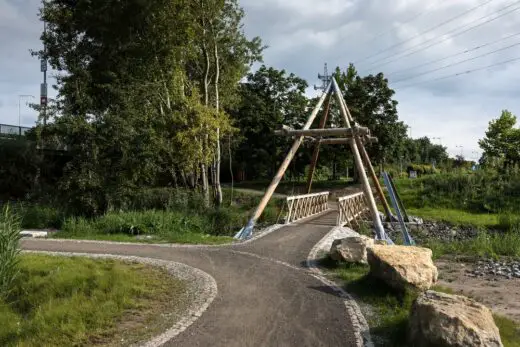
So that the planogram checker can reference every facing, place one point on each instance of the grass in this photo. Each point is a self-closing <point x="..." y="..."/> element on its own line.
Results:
<point x="60" y="301"/>
<point x="389" y="310"/>
<point x="456" y="217"/>
<point x="509" y="331"/>
<point x="482" y="199"/>
<point x="9" y="240"/>
<point x="159" y="216"/>
<point x="492" y="245"/>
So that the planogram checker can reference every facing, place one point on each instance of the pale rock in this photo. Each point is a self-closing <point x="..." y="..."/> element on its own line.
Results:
<point x="351" y="249"/>
<point x="402" y="266"/>
<point x="439" y="319"/>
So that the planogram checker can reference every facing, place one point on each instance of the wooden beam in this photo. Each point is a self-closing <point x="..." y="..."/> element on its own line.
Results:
<point x="316" y="152"/>
<point x="345" y="113"/>
<point x="346" y="140"/>
<point x="362" y="131"/>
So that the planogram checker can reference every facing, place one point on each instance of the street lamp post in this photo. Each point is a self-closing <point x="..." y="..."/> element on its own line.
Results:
<point x="19" y="110"/>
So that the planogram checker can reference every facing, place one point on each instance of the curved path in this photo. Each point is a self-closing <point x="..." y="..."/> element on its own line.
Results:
<point x="265" y="295"/>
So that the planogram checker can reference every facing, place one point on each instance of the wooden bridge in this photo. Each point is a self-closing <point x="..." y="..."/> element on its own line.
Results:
<point x="352" y="209"/>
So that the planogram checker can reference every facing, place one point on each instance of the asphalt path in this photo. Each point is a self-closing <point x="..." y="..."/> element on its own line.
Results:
<point x="266" y="296"/>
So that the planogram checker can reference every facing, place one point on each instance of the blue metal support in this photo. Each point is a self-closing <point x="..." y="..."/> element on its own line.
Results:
<point x="406" y="236"/>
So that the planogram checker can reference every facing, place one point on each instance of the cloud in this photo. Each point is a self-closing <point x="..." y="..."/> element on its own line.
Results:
<point x="377" y="36"/>
<point x="304" y="34"/>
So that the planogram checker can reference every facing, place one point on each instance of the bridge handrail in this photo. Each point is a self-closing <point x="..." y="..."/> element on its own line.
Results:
<point x="350" y="207"/>
<point x="307" y="205"/>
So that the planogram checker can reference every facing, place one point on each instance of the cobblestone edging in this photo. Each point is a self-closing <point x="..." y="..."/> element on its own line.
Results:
<point x="359" y="323"/>
<point x="202" y="289"/>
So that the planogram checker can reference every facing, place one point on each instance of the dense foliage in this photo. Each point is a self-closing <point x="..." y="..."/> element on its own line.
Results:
<point x="501" y="144"/>
<point x="152" y="94"/>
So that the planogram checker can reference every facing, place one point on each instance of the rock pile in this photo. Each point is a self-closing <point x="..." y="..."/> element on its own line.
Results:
<point x="436" y="319"/>
<point x="507" y="269"/>
<point x="439" y="319"/>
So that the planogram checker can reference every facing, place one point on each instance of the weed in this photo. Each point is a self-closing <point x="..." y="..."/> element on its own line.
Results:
<point x="9" y="250"/>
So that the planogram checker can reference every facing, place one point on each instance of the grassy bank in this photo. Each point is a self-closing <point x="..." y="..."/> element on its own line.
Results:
<point x="155" y="215"/>
<point x="494" y="245"/>
<point x="483" y="199"/>
<point x="58" y="301"/>
<point x="388" y="310"/>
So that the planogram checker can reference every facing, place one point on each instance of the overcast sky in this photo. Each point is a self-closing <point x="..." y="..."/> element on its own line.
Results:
<point x="389" y="36"/>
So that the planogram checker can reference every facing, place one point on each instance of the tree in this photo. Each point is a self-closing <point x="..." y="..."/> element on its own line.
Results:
<point x="502" y="140"/>
<point x="227" y="56"/>
<point x="270" y="98"/>
<point x="130" y="111"/>
<point x="371" y="103"/>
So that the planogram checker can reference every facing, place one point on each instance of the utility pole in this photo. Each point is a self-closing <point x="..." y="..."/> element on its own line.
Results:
<point x="43" y="68"/>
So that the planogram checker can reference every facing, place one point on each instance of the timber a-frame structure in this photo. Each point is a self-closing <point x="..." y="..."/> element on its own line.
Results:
<point x="352" y="134"/>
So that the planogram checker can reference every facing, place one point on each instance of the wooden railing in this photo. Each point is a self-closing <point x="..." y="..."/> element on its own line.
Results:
<point x="303" y="206"/>
<point x="351" y="208"/>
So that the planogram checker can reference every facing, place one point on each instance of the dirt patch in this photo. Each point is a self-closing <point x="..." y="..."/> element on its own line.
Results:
<point x="500" y="294"/>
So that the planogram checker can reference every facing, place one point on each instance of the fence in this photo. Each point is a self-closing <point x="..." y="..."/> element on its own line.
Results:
<point x="303" y="206"/>
<point x="351" y="208"/>
<point x="12" y="130"/>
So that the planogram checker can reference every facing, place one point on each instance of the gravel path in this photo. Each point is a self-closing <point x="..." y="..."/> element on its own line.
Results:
<point x="266" y="295"/>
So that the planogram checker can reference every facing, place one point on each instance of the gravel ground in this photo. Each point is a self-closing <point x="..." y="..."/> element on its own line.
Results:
<point x="508" y="269"/>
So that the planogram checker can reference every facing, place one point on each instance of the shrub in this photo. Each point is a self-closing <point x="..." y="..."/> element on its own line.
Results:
<point x="40" y="217"/>
<point x="9" y="240"/>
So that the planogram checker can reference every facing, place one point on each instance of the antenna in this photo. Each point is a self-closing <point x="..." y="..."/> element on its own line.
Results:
<point x="325" y="78"/>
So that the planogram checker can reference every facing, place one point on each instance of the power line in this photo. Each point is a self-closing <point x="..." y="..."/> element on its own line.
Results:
<point x="454" y="55"/>
<point x="445" y="38"/>
<point x="457" y="63"/>
<point x="420" y="14"/>
<point x="426" y="31"/>
<point x="461" y="73"/>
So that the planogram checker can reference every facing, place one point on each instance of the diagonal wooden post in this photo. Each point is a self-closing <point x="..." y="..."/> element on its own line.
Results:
<point x="316" y="153"/>
<point x="380" y="231"/>
<point x="372" y="173"/>
<point x="371" y="170"/>
<point x="248" y="229"/>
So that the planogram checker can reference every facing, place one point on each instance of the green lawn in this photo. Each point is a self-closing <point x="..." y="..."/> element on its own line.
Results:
<point x="456" y="217"/>
<point x="186" y="238"/>
<point x="388" y="311"/>
<point x="60" y="301"/>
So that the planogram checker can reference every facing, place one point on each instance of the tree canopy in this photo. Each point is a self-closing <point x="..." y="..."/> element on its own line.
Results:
<point x="502" y="140"/>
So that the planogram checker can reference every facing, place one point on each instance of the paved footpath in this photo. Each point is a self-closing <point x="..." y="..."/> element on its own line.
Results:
<point x="265" y="295"/>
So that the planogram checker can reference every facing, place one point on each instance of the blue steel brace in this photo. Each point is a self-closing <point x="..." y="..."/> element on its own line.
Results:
<point x="406" y="236"/>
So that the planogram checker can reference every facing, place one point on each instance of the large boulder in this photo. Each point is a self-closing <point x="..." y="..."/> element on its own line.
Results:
<point x="439" y="319"/>
<point x="351" y="249"/>
<point x="403" y="266"/>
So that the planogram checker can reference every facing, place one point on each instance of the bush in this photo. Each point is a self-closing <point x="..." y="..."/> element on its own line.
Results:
<point x="423" y="169"/>
<point x="40" y="217"/>
<point x="9" y="240"/>
<point x="226" y="221"/>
